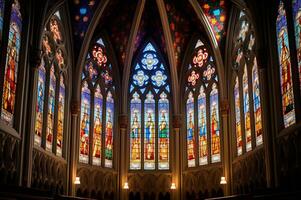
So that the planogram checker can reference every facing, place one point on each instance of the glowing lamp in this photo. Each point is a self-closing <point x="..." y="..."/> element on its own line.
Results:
<point x="173" y="186"/>
<point x="223" y="180"/>
<point x="126" y="186"/>
<point x="77" y="181"/>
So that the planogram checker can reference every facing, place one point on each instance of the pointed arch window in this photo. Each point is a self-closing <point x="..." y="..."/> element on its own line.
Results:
<point x="246" y="92"/>
<point x="202" y="108"/>
<point x="51" y="88"/>
<point x="286" y="83"/>
<point x="97" y="119"/>
<point x="150" y="111"/>
<point x="12" y="62"/>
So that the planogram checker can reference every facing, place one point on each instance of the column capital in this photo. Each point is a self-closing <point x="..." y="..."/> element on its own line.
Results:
<point x="123" y="121"/>
<point x="75" y="107"/>
<point x="225" y="107"/>
<point x="177" y="121"/>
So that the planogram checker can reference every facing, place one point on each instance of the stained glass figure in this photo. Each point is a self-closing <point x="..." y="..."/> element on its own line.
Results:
<point x="135" y="134"/>
<point x="163" y="132"/>
<point x="85" y="123"/>
<point x="191" y="153"/>
<point x="246" y="99"/>
<point x="238" y="131"/>
<point x="51" y="107"/>
<point x="11" y="66"/>
<point x="288" y="104"/>
<point x="40" y="104"/>
<point x="202" y="127"/>
<point x="97" y="131"/>
<point x="215" y="125"/>
<point x="109" y="130"/>
<point x="60" y="125"/>
<point x="149" y="132"/>
<point x="257" y="104"/>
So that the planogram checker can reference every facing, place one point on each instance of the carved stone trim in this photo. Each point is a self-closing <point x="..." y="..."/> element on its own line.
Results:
<point x="123" y="121"/>
<point x="75" y="107"/>
<point x="225" y="107"/>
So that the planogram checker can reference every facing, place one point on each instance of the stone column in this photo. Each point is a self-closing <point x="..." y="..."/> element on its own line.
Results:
<point x="73" y="161"/>
<point x="35" y="61"/>
<point x="226" y="149"/>
<point x="123" y="157"/>
<point x="176" y="158"/>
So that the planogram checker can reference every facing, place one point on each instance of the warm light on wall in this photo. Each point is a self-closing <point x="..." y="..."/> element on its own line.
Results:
<point x="223" y="180"/>
<point x="77" y="181"/>
<point x="126" y="186"/>
<point x="173" y="186"/>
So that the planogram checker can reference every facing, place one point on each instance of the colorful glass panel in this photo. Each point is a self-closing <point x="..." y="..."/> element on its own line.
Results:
<point x="2" y="5"/>
<point x="149" y="132"/>
<point x="191" y="151"/>
<point x="61" y="112"/>
<point x="135" y="137"/>
<point x="216" y="14"/>
<point x="97" y="131"/>
<point x="11" y="66"/>
<point x="202" y="123"/>
<point x="257" y="104"/>
<point x="109" y="130"/>
<point x="50" y="113"/>
<point x="238" y="128"/>
<point x="40" y="104"/>
<point x="163" y="132"/>
<point x="85" y="123"/>
<point x="215" y="125"/>
<point x="246" y="99"/>
<point x="288" y="104"/>
<point x="297" y="24"/>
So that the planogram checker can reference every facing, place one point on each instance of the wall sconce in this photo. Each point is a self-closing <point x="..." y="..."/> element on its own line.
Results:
<point x="126" y="186"/>
<point x="77" y="181"/>
<point x="173" y="186"/>
<point x="223" y="181"/>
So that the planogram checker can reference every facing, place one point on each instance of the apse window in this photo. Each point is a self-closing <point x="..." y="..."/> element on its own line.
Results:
<point x="149" y="98"/>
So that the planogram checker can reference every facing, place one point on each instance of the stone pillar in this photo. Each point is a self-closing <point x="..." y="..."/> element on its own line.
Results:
<point x="123" y="157"/>
<point x="35" y="61"/>
<point x="176" y="158"/>
<point x="73" y="161"/>
<point x="226" y="149"/>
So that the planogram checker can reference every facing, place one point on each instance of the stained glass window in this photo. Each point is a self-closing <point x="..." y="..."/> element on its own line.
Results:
<point x="246" y="94"/>
<point x="237" y="118"/>
<point x="2" y="4"/>
<point x="216" y="13"/>
<point x="163" y="132"/>
<point x="98" y="100"/>
<point x="202" y="108"/>
<point x="297" y="24"/>
<point x="257" y="104"/>
<point x="149" y="132"/>
<point x="53" y="69"/>
<point x="98" y="93"/>
<point x="51" y="107"/>
<point x="85" y="124"/>
<point x="288" y="104"/>
<point x="61" y="112"/>
<point x="246" y="106"/>
<point x="109" y="131"/>
<point x="11" y="66"/>
<point x="191" y="153"/>
<point x="214" y="125"/>
<point x="135" y="134"/>
<point x="202" y="127"/>
<point x="40" y="104"/>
